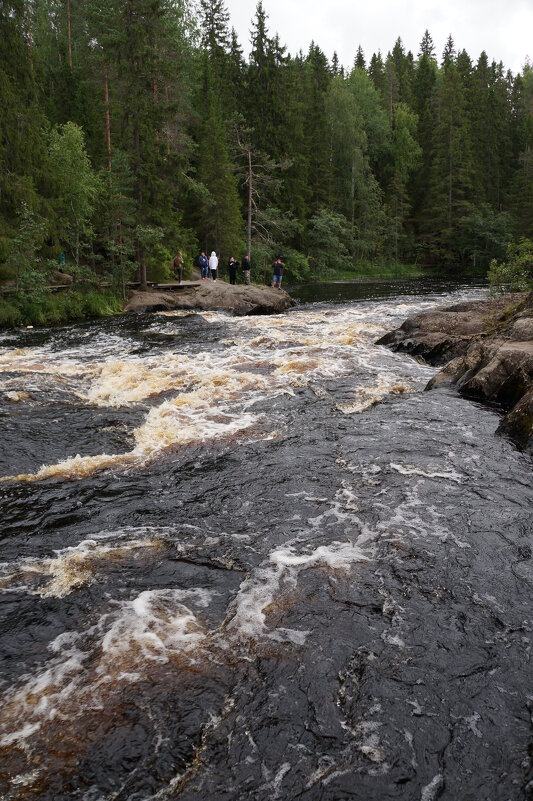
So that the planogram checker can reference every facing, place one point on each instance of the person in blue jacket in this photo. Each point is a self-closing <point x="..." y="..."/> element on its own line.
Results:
<point x="202" y="261"/>
<point x="278" y="267"/>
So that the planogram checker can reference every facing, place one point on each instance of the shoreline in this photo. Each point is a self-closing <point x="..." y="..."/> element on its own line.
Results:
<point x="485" y="351"/>
<point x="73" y="305"/>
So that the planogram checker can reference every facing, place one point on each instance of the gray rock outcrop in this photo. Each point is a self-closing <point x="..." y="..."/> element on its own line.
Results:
<point x="487" y="348"/>
<point x="212" y="296"/>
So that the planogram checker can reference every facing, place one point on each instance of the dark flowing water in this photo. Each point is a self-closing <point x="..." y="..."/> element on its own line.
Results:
<point x="252" y="559"/>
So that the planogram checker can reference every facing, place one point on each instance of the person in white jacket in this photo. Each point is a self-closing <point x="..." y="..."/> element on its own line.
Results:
<point x="213" y="265"/>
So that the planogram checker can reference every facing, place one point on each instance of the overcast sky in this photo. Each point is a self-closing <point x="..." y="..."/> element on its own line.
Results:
<point x="503" y="28"/>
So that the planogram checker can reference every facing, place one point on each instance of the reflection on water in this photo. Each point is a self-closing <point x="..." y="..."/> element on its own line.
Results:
<point x="343" y="291"/>
<point x="252" y="559"/>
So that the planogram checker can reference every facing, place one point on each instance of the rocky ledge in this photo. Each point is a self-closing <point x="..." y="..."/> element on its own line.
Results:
<point x="487" y="350"/>
<point x="212" y="296"/>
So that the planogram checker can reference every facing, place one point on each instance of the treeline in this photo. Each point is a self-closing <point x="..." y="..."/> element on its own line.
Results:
<point x="131" y="129"/>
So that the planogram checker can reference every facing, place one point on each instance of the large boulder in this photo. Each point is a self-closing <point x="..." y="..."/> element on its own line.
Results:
<point x="488" y="348"/>
<point x="212" y="296"/>
<point x="58" y="278"/>
<point x="518" y="423"/>
<point x="442" y="334"/>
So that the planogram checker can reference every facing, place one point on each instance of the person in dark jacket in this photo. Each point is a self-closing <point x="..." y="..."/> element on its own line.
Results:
<point x="204" y="264"/>
<point x="278" y="267"/>
<point x="245" y="264"/>
<point x="232" y="269"/>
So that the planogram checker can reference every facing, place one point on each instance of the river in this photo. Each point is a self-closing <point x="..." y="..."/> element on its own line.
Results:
<point x="251" y="559"/>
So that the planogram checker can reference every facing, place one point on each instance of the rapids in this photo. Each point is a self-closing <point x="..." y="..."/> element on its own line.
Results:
<point x="250" y="558"/>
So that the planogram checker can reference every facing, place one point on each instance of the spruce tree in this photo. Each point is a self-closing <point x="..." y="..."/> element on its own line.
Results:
<point x="452" y="169"/>
<point x="425" y="107"/>
<point x="220" y="221"/>
<point x="359" y="62"/>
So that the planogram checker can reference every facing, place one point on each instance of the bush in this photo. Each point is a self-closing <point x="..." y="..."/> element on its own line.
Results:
<point x="515" y="274"/>
<point x="159" y="265"/>
<point x="101" y="304"/>
<point x="10" y="315"/>
<point x="298" y="268"/>
<point x="58" y="308"/>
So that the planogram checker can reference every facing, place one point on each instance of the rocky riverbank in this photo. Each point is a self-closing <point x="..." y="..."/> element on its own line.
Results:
<point x="212" y="296"/>
<point x="486" y="348"/>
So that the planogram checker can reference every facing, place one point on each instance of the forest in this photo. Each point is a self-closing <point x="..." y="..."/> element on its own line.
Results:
<point x="131" y="129"/>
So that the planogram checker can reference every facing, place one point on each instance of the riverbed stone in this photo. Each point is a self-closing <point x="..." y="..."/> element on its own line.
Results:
<point x="445" y="333"/>
<point x="241" y="300"/>
<point x="487" y="348"/>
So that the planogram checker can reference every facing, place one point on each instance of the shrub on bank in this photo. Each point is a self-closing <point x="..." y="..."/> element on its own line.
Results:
<point x="56" y="308"/>
<point x="10" y="315"/>
<point x="515" y="274"/>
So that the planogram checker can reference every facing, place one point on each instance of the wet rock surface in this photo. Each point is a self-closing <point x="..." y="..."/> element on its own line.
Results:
<point x="487" y="349"/>
<point x="332" y="602"/>
<point x="213" y="296"/>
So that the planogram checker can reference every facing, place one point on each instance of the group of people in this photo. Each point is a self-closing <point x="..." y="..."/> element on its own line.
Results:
<point x="209" y="267"/>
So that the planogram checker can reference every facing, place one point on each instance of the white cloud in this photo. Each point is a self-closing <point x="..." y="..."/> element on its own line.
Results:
<point x="503" y="30"/>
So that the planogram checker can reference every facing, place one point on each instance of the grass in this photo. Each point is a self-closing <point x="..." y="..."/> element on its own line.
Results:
<point x="57" y="308"/>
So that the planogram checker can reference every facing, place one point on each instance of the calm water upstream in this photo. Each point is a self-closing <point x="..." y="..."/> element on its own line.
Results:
<point x="250" y="559"/>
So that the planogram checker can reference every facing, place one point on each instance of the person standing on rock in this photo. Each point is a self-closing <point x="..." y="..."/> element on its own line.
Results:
<point x="232" y="269"/>
<point x="177" y="264"/>
<point x="246" y="269"/>
<point x="202" y="261"/>
<point x="278" y="267"/>
<point x="213" y="265"/>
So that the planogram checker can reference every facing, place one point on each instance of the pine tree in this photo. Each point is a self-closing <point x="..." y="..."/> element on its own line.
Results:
<point x="215" y="26"/>
<point x="406" y="153"/>
<point x="521" y="191"/>
<point x="376" y="71"/>
<point x="318" y="134"/>
<point x="424" y="85"/>
<point x="452" y="169"/>
<point x="220" y="222"/>
<point x="261" y="81"/>
<point x="295" y="199"/>
<point x="22" y="151"/>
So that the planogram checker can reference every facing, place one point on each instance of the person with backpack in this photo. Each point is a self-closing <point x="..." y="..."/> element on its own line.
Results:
<point x="202" y="261"/>
<point x="245" y="264"/>
<point x="213" y="265"/>
<point x="177" y="265"/>
<point x="278" y="267"/>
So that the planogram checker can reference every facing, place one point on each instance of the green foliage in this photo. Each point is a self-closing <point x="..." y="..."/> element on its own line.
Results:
<point x="116" y="146"/>
<point x="23" y="258"/>
<point x="328" y="236"/>
<point x="75" y="187"/>
<point x="159" y="265"/>
<point x="298" y="268"/>
<point x="10" y="314"/>
<point x="57" y="308"/>
<point x="515" y="274"/>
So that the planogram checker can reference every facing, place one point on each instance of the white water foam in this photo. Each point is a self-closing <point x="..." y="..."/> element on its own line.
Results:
<point x="284" y="564"/>
<point x="152" y="628"/>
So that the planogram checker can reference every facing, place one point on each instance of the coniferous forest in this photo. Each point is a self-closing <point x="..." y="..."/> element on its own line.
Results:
<point x="131" y="129"/>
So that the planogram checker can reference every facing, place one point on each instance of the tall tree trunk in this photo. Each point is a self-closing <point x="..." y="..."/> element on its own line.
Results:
<point x="107" y="120"/>
<point x="69" y="36"/>
<point x="167" y="125"/>
<point x="250" y="200"/>
<point x="30" y="39"/>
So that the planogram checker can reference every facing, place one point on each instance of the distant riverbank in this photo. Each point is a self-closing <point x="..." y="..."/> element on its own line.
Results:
<point x="71" y="305"/>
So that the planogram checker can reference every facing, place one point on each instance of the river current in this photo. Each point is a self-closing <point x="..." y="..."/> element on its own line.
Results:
<point x="251" y="559"/>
